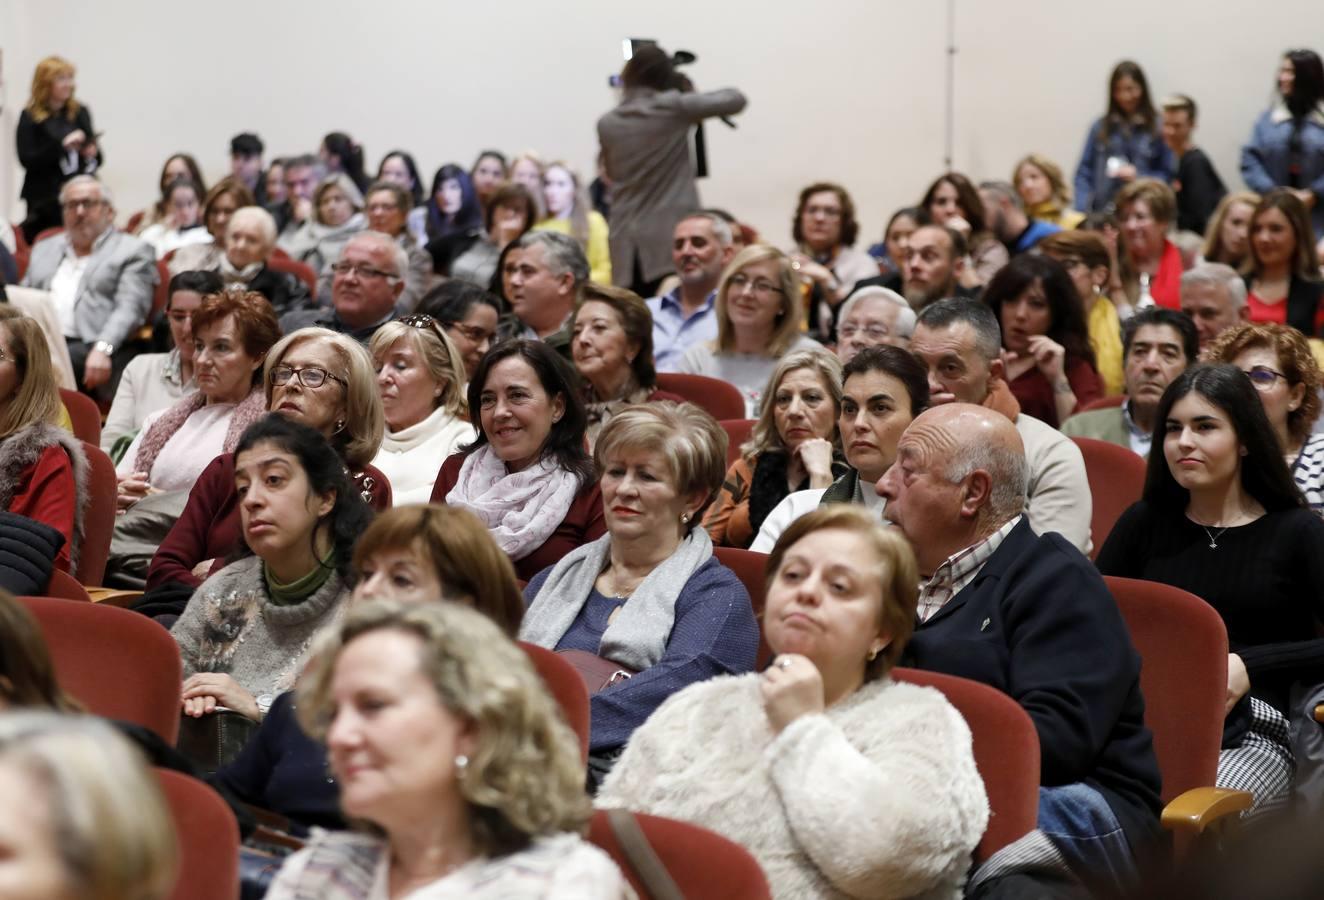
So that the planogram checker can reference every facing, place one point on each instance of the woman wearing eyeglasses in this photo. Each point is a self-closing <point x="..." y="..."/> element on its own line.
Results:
<point x="1278" y="361"/>
<point x="759" y="313"/>
<point x="469" y="314"/>
<point x="422" y="384"/>
<point x="315" y="376"/>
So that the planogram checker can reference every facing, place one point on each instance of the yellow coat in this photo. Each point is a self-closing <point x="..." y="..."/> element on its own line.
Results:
<point x="598" y="250"/>
<point x="1105" y="330"/>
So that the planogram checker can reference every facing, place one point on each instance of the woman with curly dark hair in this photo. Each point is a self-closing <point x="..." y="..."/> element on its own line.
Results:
<point x="1050" y="365"/>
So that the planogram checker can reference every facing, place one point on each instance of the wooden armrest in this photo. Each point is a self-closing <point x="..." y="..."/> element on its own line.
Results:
<point x="1198" y="808"/>
<point x="1319" y="713"/>
<point x="267" y="818"/>
<point x="112" y="596"/>
<point x="265" y="835"/>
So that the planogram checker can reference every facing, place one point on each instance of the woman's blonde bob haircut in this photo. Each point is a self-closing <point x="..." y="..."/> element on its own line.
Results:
<point x="690" y="440"/>
<point x="470" y="566"/>
<point x="37" y="400"/>
<point x="789" y="319"/>
<point x="764" y="435"/>
<point x="438" y="353"/>
<point x="112" y="828"/>
<point x="525" y="777"/>
<point x="361" y="435"/>
<point x="897" y="570"/>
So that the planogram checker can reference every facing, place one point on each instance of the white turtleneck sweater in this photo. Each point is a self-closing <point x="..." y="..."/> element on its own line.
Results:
<point x="411" y="457"/>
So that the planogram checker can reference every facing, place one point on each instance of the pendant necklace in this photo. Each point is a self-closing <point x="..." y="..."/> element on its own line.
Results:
<point x="1213" y="538"/>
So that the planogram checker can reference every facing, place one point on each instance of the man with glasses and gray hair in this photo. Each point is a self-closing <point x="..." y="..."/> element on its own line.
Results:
<point x="541" y="278"/>
<point x="100" y="282"/>
<point x="366" y="282"/>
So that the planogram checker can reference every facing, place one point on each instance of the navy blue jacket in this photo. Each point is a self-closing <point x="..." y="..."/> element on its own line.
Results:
<point x="1039" y="624"/>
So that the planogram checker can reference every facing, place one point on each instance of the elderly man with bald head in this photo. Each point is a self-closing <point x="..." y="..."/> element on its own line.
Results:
<point x="1032" y="617"/>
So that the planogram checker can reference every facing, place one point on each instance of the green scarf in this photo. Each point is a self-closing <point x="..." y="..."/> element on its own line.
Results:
<point x="300" y="589"/>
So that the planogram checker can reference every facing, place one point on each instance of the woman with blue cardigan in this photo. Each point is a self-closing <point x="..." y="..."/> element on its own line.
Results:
<point x="649" y="594"/>
<point x="1123" y="145"/>
<point x="1286" y="148"/>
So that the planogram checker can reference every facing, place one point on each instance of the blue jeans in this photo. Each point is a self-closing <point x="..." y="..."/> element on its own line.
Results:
<point x="1080" y="823"/>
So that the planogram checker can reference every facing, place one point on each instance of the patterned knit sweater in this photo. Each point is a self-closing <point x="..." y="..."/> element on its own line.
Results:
<point x="231" y="626"/>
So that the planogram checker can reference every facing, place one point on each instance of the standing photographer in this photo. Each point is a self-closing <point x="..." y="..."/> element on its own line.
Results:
<point x="646" y="153"/>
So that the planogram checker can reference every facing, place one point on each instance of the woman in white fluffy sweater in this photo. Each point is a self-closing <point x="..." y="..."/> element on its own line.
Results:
<point x="840" y="781"/>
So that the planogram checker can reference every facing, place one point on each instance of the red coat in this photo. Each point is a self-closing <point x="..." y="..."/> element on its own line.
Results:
<point x="209" y="526"/>
<point x="582" y="524"/>
<point x="46" y="492"/>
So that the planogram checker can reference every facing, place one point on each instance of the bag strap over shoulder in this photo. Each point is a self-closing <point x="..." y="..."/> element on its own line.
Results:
<point x="642" y="857"/>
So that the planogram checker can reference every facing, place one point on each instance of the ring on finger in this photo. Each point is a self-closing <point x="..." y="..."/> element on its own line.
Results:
<point x="783" y="663"/>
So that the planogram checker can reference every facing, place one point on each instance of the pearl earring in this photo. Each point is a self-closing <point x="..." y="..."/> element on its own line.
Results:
<point x="685" y="518"/>
<point x="461" y="763"/>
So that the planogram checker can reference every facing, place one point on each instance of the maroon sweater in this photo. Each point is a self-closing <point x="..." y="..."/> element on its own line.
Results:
<point x="209" y="526"/>
<point x="582" y="524"/>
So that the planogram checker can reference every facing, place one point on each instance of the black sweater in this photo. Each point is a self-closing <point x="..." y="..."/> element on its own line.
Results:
<point x="1266" y="580"/>
<point x="1039" y="624"/>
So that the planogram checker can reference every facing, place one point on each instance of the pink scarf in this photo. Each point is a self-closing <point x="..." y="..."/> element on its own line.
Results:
<point x="520" y="509"/>
<point x="248" y="411"/>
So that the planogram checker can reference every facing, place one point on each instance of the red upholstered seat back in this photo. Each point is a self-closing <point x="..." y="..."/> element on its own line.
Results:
<point x="737" y="432"/>
<point x="98" y="517"/>
<point x="704" y="865"/>
<point x="208" y="838"/>
<point x="117" y="663"/>
<point x="566" y="687"/>
<point x="750" y="567"/>
<point x="83" y="414"/>
<point x="1116" y="478"/>
<point x="302" y="271"/>
<point x="721" y="398"/>
<point x="1183" y="650"/>
<point x="1006" y="752"/>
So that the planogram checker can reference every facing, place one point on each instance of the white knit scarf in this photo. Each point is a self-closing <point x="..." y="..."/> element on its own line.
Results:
<point x="520" y="509"/>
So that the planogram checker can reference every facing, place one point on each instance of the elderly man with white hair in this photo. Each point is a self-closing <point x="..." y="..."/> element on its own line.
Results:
<point x="1214" y="296"/>
<point x="100" y="282"/>
<point x="366" y="283"/>
<point x="1029" y="615"/>
<point x="873" y="317"/>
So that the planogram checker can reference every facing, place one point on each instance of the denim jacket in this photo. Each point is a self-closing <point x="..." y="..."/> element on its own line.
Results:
<point x="1143" y="149"/>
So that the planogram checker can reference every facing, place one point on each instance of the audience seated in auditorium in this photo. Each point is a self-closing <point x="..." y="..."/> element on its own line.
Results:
<point x="225" y="197"/>
<point x="1282" y="272"/>
<point x="1222" y="518"/>
<point x="342" y="155"/>
<point x="506" y="218"/>
<point x="544" y="273"/>
<point x="1197" y="185"/>
<point x="646" y="155"/>
<point x="612" y="348"/>
<point x="179" y="167"/>
<point x="386" y="205"/>
<point x="414" y="554"/>
<point x="452" y="207"/>
<point x="1044" y="191"/>
<point x="873" y="317"/>
<point x="794" y="446"/>
<point x="1049" y="364"/>
<point x="82" y="812"/>
<point x="1227" y="238"/>
<point x="883" y="390"/>
<point x="1151" y="265"/>
<point x="422" y="383"/>
<point x="701" y="247"/>
<point x="934" y="266"/>
<point x="367" y="280"/>
<point x="526" y="170"/>
<point x="100" y="280"/>
<point x="182" y="224"/>
<point x="1085" y="256"/>
<point x="244" y="637"/>
<point x="840" y="781"/>
<point x="953" y="202"/>
<point x="275" y="190"/>
<point x="960" y="343"/>
<point x="825" y="256"/>
<point x="569" y="212"/>
<point x="398" y="167"/>
<point x="488" y="173"/>
<point x="890" y="254"/>
<point x="489" y="797"/>
<point x="527" y="475"/>
<point x="337" y="216"/>
<point x="1123" y="145"/>
<point x="244" y="260"/>
<point x="43" y="469"/>
<point x="56" y="142"/>
<point x="302" y="176"/>
<point x="156" y="381"/>
<point x="469" y="314"/>
<point x="758" y="321"/>
<point x="316" y="377"/>
<point x="1004" y="211"/>
<point x="649" y="594"/>
<point x="246" y="165"/>
<point x="1278" y="362"/>
<point x="957" y="492"/>
<point x="1157" y="344"/>
<point x="1213" y="296"/>
<point x="1286" y="147"/>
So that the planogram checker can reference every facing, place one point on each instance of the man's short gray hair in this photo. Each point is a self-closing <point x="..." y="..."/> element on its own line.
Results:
<point x="946" y="313"/>
<point x="905" y="318"/>
<point x="80" y="180"/>
<point x="1216" y="275"/>
<point x="1004" y="190"/>
<point x="1006" y="468"/>
<point x="398" y="254"/>
<point x="563" y="253"/>
<point x="258" y="216"/>
<point x="721" y="227"/>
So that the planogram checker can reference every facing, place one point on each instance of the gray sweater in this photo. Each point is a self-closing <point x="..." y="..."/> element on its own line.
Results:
<point x="231" y="626"/>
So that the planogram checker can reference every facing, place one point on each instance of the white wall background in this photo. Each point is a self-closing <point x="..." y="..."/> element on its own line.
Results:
<point x="851" y="90"/>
